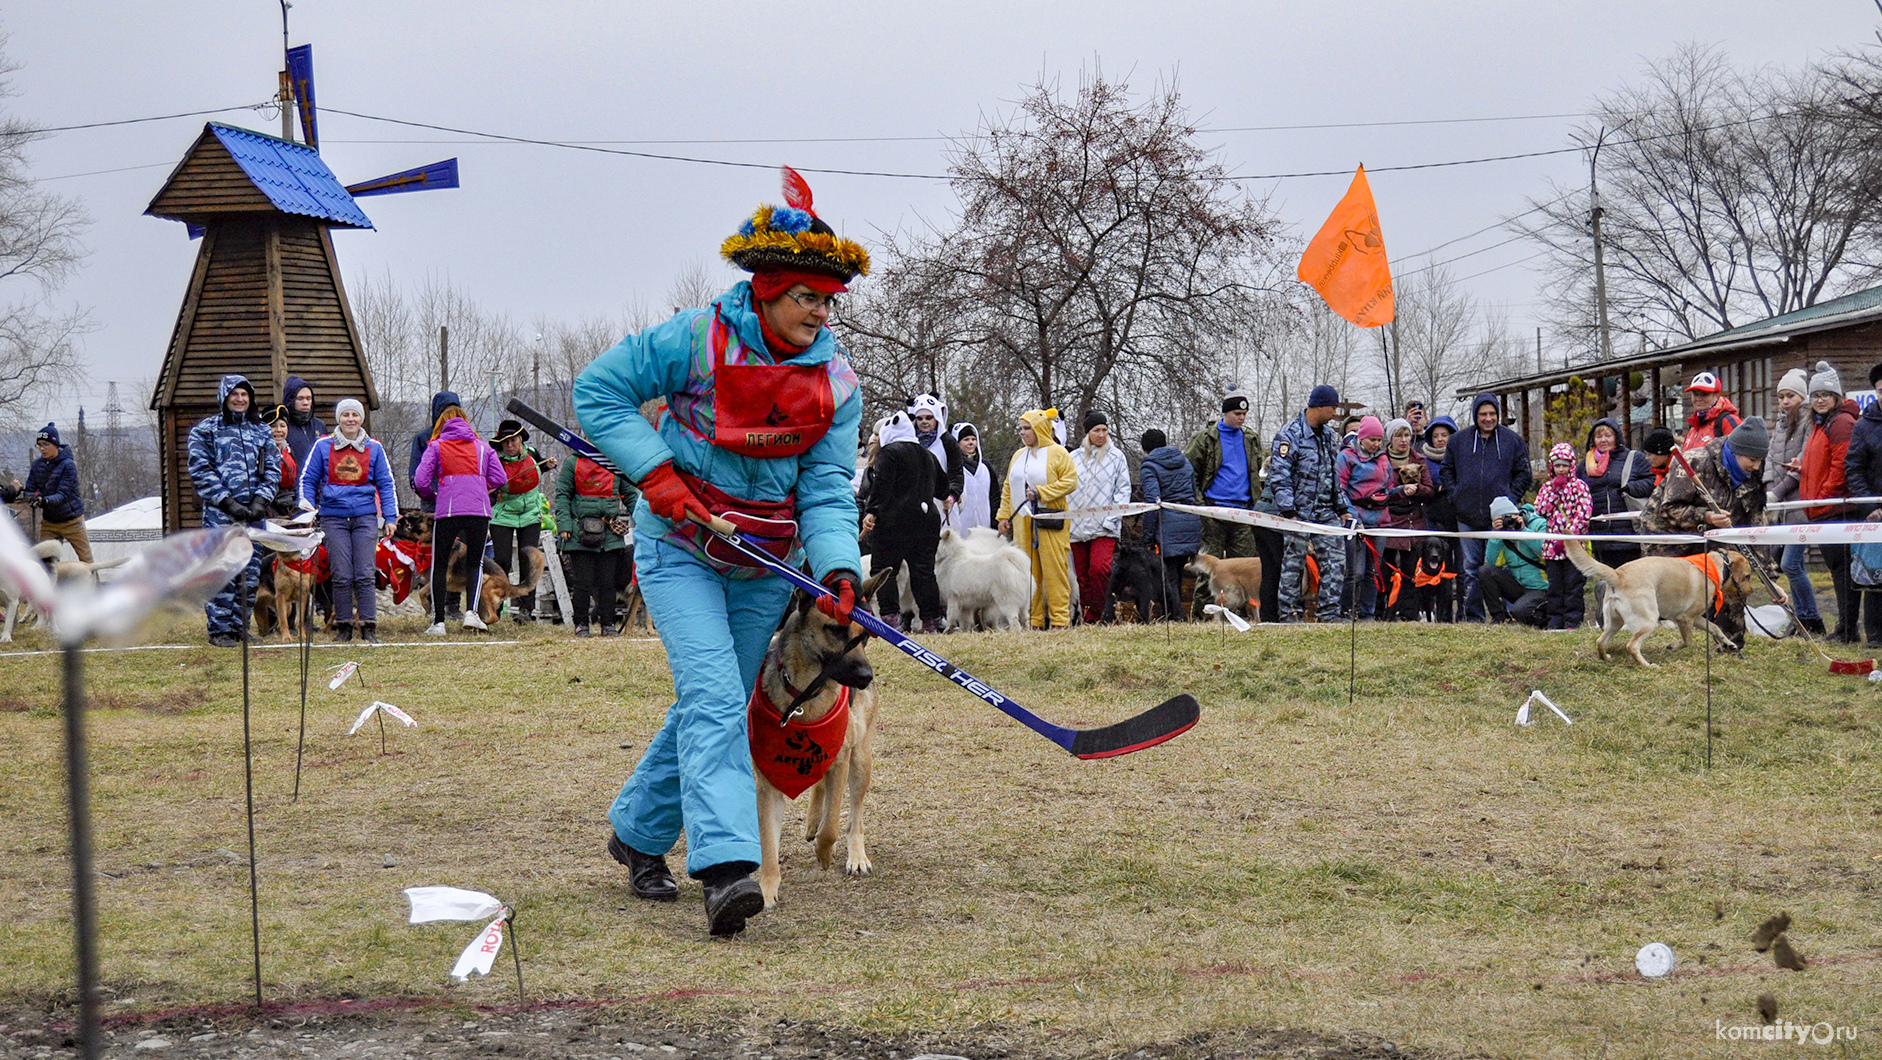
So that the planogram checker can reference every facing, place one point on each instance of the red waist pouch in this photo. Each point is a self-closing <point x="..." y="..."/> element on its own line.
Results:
<point x="772" y="523"/>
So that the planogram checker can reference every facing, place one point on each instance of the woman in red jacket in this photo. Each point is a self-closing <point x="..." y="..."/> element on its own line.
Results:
<point x="1820" y="477"/>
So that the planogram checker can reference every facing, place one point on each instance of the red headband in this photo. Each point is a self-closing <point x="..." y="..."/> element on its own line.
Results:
<point x="767" y="284"/>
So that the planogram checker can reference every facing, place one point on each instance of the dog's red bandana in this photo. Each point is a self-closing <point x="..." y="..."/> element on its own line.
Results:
<point x="1710" y="568"/>
<point x="795" y="757"/>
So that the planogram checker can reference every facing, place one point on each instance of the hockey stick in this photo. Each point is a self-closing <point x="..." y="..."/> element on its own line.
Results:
<point x="1162" y="722"/>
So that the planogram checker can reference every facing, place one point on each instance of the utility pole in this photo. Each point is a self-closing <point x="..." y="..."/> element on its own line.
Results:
<point x="1538" y="349"/>
<point x="444" y="357"/>
<point x="1600" y="260"/>
<point x="287" y="94"/>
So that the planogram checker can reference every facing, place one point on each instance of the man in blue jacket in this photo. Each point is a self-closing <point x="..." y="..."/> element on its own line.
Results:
<point x="1302" y="484"/>
<point x="1479" y="466"/>
<point x="235" y="468"/>
<point x="52" y="487"/>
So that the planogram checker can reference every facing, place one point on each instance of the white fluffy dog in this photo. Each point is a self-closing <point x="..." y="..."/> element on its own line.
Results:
<point x="986" y="582"/>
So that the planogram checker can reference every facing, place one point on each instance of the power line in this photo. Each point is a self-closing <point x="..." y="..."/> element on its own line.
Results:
<point x="97" y="172"/>
<point x="129" y="121"/>
<point x="949" y="139"/>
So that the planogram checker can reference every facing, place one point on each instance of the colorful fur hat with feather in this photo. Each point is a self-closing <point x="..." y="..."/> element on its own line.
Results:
<point x="792" y="238"/>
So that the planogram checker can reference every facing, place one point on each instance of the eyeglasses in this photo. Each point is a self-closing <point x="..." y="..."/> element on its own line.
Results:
<point x="812" y="302"/>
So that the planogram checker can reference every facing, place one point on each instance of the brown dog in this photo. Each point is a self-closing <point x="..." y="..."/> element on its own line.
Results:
<point x="496" y="586"/>
<point x="809" y="645"/>
<point x="293" y="595"/>
<point x="1654" y="589"/>
<point x="1234" y="584"/>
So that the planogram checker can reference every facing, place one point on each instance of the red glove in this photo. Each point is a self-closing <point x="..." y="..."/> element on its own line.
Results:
<point x="843" y="584"/>
<point x="669" y="497"/>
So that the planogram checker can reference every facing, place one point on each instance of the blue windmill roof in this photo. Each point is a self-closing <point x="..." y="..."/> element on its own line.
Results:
<point x="291" y="175"/>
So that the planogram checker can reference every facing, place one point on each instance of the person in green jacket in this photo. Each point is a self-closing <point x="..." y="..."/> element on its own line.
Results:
<point x="516" y="509"/>
<point x="591" y="517"/>
<point x="1512" y="571"/>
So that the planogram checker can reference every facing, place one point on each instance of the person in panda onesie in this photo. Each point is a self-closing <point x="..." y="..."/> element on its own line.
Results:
<point x="980" y="483"/>
<point x="929" y="415"/>
<point x="903" y="514"/>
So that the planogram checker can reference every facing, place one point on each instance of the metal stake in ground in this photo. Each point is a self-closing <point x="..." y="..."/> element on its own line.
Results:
<point x="248" y="775"/>
<point x="301" y="743"/>
<point x="1352" y="631"/>
<point x="1708" y="633"/>
<point x="78" y="797"/>
<point x="516" y="955"/>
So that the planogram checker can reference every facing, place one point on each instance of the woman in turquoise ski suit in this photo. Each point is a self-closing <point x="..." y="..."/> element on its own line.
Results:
<point x="696" y="776"/>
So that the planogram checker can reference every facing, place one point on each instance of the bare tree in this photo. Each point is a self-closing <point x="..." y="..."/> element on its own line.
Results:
<point x="692" y="287"/>
<point x="39" y="248"/>
<point x="1437" y="351"/>
<point x="1728" y="196"/>
<point x="1098" y="252"/>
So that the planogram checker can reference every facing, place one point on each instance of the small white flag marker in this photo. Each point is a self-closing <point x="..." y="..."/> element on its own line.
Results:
<point x="343" y="672"/>
<point x="481" y="954"/>
<point x="1241" y="624"/>
<point x="1536" y="696"/>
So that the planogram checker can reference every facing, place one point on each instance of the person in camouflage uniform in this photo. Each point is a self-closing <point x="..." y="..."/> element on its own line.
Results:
<point x="1302" y="484"/>
<point x="233" y="463"/>
<point x="1728" y="471"/>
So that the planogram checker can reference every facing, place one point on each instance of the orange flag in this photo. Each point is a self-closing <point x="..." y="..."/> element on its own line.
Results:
<point x="1346" y="260"/>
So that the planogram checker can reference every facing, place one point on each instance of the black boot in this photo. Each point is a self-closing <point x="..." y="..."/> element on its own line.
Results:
<point x="732" y="896"/>
<point x="647" y="874"/>
<point x="342" y="632"/>
<point x="1814" y="625"/>
<point x="369" y="632"/>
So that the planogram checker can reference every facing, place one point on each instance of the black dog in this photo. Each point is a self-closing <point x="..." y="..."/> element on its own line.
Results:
<point x="1136" y="577"/>
<point x="1433" y="580"/>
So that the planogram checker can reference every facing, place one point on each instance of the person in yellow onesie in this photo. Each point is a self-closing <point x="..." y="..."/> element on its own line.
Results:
<point x="1041" y="472"/>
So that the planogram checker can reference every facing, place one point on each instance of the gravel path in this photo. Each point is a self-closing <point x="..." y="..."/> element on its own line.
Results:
<point x="596" y="1035"/>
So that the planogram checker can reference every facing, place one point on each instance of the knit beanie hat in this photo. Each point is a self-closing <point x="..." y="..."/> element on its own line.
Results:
<point x="343" y="404"/>
<point x="1561" y="453"/>
<point x="1393" y="426"/>
<point x="1369" y="428"/>
<point x="48" y="433"/>
<point x="1659" y="442"/>
<point x="1153" y="439"/>
<point x="1501" y="506"/>
<point x="1751" y="438"/>
<point x="1234" y="402"/>
<point x="1323" y="396"/>
<point x="1797" y="381"/>
<point x="1875" y="375"/>
<point x="1825" y="381"/>
<point x="1094" y="418"/>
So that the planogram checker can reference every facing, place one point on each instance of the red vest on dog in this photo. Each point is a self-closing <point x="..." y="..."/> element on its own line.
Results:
<point x="795" y="757"/>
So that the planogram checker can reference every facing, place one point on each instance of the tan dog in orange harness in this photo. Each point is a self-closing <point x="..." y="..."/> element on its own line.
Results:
<point x="1654" y="589"/>
<point x="817" y="675"/>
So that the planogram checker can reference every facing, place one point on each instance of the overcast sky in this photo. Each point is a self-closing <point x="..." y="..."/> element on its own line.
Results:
<point x="542" y="230"/>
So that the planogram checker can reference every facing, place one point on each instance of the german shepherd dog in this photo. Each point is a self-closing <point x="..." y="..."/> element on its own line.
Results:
<point x="282" y="595"/>
<point x="810" y="646"/>
<point x="496" y="586"/>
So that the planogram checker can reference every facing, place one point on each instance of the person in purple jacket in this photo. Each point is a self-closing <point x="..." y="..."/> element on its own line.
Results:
<point x="457" y="474"/>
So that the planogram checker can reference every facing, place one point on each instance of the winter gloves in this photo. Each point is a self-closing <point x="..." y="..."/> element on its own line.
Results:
<point x="670" y="498"/>
<point x="843" y="584"/>
<point x="253" y="512"/>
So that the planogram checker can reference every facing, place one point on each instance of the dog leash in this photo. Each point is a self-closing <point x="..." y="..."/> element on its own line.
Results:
<point x="796" y="705"/>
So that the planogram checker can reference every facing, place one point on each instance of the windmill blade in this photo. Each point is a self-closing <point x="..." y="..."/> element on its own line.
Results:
<point x="424" y="178"/>
<point x="183" y="569"/>
<point x="301" y="83"/>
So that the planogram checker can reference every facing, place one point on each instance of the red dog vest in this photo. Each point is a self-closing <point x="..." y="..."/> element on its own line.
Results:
<point x="521" y="475"/>
<point x="347" y="466"/>
<point x="795" y="757"/>
<point x="767" y="410"/>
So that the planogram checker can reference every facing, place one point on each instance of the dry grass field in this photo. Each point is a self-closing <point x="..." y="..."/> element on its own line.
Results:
<point x="1410" y="865"/>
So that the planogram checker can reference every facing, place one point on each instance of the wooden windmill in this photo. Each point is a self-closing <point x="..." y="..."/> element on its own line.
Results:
<point x="265" y="299"/>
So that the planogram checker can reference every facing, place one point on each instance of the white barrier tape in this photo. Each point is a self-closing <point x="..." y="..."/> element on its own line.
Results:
<point x="1826" y="502"/>
<point x="1799" y="534"/>
<point x="1528" y="535"/>
<point x="1105" y="510"/>
<point x="1254" y="518"/>
<point x="1614" y="518"/>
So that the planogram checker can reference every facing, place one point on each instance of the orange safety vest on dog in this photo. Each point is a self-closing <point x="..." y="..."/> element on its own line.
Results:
<point x="795" y="757"/>
<point x="1710" y="568"/>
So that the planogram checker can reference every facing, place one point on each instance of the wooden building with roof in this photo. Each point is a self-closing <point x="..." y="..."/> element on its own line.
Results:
<point x="265" y="299"/>
<point x="1647" y="389"/>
